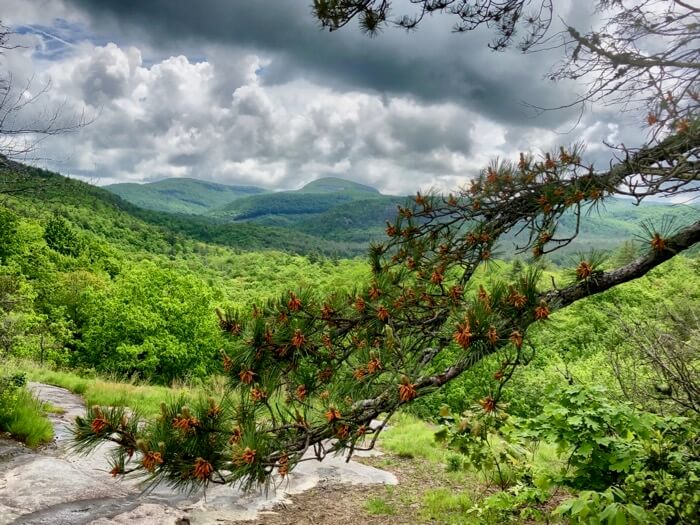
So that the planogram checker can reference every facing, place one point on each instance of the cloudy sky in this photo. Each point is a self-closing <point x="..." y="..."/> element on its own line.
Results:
<point x="253" y="92"/>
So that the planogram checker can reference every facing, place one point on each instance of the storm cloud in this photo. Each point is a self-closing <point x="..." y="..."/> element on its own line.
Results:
<point x="256" y="93"/>
<point x="431" y="63"/>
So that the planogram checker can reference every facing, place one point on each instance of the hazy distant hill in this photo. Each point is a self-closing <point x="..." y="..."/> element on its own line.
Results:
<point x="354" y="221"/>
<point x="615" y="221"/>
<point x="352" y="214"/>
<point x="287" y="208"/>
<point x="336" y="185"/>
<point x="181" y="195"/>
<point x="329" y="216"/>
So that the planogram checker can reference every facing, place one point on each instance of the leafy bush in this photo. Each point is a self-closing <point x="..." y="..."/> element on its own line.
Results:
<point x="500" y="456"/>
<point x="520" y="502"/>
<point x="632" y="466"/>
<point x="629" y="466"/>
<point x="603" y="440"/>
<point x="608" y="507"/>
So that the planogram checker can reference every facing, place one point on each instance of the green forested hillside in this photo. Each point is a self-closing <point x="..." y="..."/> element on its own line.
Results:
<point x="181" y="195"/>
<point x="109" y="285"/>
<point x="355" y="221"/>
<point x="88" y="280"/>
<point x="287" y="208"/>
<point x="91" y="284"/>
<point x="281" y="206"/>
<point x="339" y="218"/>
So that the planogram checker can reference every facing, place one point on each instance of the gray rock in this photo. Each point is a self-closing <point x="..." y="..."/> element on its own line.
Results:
<point x="54" y="486"/>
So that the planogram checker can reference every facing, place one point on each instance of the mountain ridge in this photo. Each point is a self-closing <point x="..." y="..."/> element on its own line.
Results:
<point x="336" y="184"/>
<point x="181" y="195"/>
<point x="341" y="225"/>
<point x="200" y="197"/>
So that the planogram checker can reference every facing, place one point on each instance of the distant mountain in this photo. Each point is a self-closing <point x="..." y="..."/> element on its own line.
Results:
<point x="181" y="195"/>
<point x="336" y="185"/>
<point x="284" y="208"/>
<point x="360" y="221"/>
<point x="352" y="215"/>
<point x="611" y="223"/>
<point x="340" y="221"/>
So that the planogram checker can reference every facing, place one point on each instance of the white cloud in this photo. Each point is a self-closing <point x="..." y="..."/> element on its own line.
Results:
<point x="215" y="119"/>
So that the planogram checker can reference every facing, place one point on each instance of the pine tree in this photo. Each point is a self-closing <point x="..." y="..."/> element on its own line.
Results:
<point x="311" y="373"/>
<point x="304" y="370"/>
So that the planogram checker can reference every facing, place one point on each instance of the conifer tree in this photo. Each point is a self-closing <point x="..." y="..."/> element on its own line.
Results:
<point x="311" y="373"/>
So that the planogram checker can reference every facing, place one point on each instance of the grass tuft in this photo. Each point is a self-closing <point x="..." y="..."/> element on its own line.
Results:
<point x="378" y="506"/>
<point x="50" y="408"/>
<point x="408" y="437"/>
<point x="24" y="418"/>
<point x="447" y="506"/>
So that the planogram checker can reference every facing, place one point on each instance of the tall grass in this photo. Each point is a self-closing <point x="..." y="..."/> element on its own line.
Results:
<point x="409" y="437"/>
<point x="447" y="506"/>
<point x="24" y="417"/>
<point x="145" y="399"/>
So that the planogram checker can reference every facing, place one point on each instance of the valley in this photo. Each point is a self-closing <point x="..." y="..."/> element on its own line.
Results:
<point x="124" y="305"/>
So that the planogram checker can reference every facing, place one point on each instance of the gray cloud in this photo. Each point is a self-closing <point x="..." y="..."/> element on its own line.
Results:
<point x="432" y="63"/>
<point x="167" y="119"/>
<point x="254" y="93"/>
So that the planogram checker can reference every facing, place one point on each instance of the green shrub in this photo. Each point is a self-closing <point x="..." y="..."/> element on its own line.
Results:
<point x="455" y="462"/>
<point x="631" y="466"/>
<point x="603" y="440"/>
<point x="478" y="436"/>
<point x="607" y="507"/>
<point x="521" y="502"/>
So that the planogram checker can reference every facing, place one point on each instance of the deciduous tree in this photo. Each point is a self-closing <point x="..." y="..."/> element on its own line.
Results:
<point x="23" y="125"/>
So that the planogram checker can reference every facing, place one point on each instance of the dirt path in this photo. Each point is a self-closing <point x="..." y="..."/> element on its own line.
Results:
<point x="53" y="486"/>
<point x="349" y="505"/>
